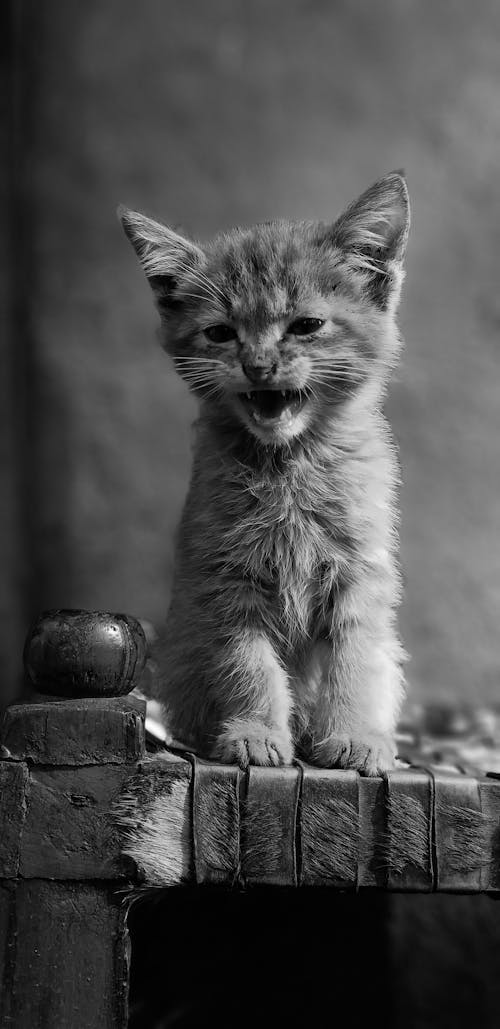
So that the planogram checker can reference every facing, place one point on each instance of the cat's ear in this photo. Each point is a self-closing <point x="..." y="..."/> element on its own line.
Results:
<point x="164" y="255"/>
<point x="373" y="233"/>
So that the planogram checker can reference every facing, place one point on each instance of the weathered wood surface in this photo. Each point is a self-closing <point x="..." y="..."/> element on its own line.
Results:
<point x="56" y="824"/>
<point x="63" y="940"/>
<point x="65" y="767"/>
<point x="414" y="830"/>
<point x="13" y="788"/>
<point x="77" y="732"/>
<point x="63" y="957"/>
<point x="67" y="831"/>
<point x="76" y="809"/>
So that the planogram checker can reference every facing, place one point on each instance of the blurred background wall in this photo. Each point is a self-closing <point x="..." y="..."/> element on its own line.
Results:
<point x="207" y="114"/>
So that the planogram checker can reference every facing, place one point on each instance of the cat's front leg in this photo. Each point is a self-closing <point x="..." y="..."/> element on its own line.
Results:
<point x="255" y="701"/>
<point x="356" y="683"/>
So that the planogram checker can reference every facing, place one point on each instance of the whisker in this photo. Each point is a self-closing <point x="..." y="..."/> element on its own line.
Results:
<point x="201" y="368"/>
<point x="204" y="294"/>
<point x="198" y="278"/>
<point x="209" y="389"/>
<point x="203" y="279"/>
<point x="199" y="296"/>
<point x="206" y="361"/>
<point x="328" y="365"/>
<point x="200" y="380"/>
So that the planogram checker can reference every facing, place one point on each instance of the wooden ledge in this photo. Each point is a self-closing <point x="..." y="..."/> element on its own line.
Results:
<point x="80" y="800"/>
<point x="414" y="830"/>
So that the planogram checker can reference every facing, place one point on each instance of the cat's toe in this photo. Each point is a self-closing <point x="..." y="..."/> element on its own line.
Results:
<point x="253" y="743"/>
<point x="369" y="754"/>
<point x="380" y="755"/>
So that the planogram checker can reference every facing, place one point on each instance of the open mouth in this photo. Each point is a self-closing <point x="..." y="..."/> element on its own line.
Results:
<point x="273" y="405"/>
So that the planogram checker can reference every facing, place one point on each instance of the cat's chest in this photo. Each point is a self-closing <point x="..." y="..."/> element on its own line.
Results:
<point x="292" y="542"/>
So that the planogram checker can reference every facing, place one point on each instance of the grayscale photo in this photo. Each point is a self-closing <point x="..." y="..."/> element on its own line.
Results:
<point x="250" y="518"/>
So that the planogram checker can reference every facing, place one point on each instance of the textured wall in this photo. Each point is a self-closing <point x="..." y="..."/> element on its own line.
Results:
<point x="210" y="114"/>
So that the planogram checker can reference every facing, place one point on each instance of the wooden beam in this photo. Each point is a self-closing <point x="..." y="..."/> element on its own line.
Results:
<point x="65" y="957"/>
<point x="75" y="732"/>
<point x="14" y="780"/>
<point x="413" y="830"/>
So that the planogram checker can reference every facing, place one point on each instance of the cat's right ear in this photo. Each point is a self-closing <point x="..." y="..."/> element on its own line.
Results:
<point x="163" y="254"/>
<point x="372" y="233"/>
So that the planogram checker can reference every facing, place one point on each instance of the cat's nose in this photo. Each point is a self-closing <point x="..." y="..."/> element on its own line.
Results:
<point x="259" y="373"/>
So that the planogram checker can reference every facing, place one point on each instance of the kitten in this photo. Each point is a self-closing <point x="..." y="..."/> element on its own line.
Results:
<point x="281" y="637"/>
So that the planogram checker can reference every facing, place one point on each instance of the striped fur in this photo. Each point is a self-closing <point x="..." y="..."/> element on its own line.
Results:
<point x="281" y="636"/>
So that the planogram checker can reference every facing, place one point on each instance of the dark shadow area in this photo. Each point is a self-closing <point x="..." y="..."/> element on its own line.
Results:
<point x="277" y="957"/>
<point x="311" y="957"/>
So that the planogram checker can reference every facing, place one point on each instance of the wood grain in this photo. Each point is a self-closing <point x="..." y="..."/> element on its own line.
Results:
<point x="76" y="732"/>
<point x="66" y="963"/>
<point x="68" y="833"/>
<point x="13" y="789"/>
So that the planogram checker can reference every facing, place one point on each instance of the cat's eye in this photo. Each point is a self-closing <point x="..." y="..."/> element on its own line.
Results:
<point x="220" y="333"/>
<point x="305" y="326"/>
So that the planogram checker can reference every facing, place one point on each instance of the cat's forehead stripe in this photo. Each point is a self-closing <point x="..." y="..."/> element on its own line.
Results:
<point x="265" y="273"/>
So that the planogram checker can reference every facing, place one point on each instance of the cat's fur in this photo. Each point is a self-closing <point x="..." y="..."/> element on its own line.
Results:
<point x="281" y="636"/>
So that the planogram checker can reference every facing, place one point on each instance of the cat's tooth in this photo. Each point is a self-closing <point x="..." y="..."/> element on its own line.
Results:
<point x="283" y="393"/>
<point x="248" y="396"/>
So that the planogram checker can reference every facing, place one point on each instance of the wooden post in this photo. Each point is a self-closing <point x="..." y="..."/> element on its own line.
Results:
<point x="64" y="949"/>
<point x="63" y="936"/>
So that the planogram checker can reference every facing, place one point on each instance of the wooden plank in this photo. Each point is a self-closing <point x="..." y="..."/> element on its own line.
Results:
<point x="270" y="825"/>
<point x="329" y="828"/>
<point x="67" y="960"/>
<point x="76" y="732"/>
<point x="7" y="914"/>
<point x="13" y="787"/>
<point x="216" y="823"/>
<point x="68" y="832"/>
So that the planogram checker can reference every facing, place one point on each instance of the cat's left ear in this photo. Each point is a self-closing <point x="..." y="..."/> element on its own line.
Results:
<point x="164" y="255"/>
<point x="373" y="233"/>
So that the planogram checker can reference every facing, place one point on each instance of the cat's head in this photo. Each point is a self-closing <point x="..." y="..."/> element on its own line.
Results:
<point x="277" y="325"/>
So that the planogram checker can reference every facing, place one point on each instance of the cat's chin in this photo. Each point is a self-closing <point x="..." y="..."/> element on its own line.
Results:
<point x="277" y="431"/>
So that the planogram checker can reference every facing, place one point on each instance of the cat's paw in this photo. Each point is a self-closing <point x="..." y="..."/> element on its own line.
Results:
<point x="249" y="742"/>
<point x="369" y="753"/>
